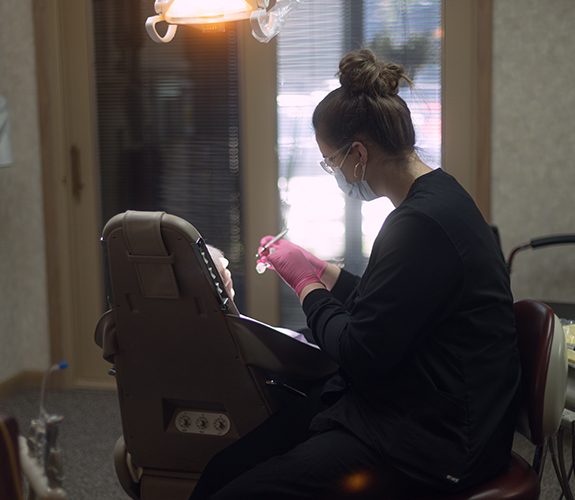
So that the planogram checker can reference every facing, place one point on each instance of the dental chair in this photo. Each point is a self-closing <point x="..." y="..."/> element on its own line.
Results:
<point x="192" y="374"/>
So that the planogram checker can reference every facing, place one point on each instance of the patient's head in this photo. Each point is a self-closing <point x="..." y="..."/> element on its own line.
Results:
<point x="222" y="266"/>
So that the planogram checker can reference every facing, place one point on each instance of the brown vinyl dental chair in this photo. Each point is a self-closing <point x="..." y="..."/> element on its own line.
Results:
<point x="192" y="374"/>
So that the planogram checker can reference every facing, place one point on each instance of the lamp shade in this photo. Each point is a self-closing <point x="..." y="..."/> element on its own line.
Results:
<point x="207" y="11"/>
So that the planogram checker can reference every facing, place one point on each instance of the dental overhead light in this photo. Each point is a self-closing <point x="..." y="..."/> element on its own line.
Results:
<point x="266" y="21"/>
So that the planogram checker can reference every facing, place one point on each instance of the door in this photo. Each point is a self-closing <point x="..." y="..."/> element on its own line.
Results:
<point x="68" y="136"/>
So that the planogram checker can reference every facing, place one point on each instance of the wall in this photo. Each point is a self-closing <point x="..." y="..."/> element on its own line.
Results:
<point x="533" y="161"/>
<point x="23" y="304"/>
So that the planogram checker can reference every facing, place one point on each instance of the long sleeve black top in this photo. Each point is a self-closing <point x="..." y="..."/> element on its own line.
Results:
<point x="425" y="341"/>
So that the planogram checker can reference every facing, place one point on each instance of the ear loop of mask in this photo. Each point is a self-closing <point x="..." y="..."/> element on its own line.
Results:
<point x="358" y="164"/>
<point x="355" y="170"/>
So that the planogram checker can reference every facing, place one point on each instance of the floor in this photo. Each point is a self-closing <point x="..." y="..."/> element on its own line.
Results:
<point x="91" y="426"/>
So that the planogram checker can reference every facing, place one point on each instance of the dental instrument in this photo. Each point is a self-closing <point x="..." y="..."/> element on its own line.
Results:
<point x="262" y="266"/>
<point x="271" y="242"/>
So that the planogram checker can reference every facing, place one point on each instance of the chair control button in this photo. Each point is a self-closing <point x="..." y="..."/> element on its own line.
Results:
<point x="202" y="422"/>
<point x="222" y="424"/>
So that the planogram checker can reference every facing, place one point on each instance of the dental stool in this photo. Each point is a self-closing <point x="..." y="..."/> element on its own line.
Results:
<point x="544" y="381"/>
<point x="193" y="375"/>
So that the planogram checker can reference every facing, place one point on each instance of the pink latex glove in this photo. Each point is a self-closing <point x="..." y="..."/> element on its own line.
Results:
<point x="292" y="266"/>
<point x="318" y="264"/>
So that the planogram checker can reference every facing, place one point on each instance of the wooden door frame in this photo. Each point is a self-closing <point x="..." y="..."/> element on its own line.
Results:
<point x="66" y="102"/>
<point x="466" y="96"/>
<point x="259" y="160"/>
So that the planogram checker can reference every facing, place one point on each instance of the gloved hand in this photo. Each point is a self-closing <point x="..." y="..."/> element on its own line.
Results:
<point x="292" y="265"/>
<point x="318" y="264"/>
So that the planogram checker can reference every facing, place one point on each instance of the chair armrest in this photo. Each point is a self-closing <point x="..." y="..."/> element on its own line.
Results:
<point x="105" y="336"/>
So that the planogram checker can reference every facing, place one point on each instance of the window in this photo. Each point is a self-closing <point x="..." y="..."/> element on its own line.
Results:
<point x="317" y="34"/>
<point x="168" y="125"/>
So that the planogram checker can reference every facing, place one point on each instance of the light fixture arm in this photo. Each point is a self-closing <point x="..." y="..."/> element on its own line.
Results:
<point x="161" y="7"/>
<point x="266" y="22"/>
<point x="154" y="35"/>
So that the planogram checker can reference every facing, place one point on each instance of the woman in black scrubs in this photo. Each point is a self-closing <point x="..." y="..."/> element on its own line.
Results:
<point x="426" y="395"/>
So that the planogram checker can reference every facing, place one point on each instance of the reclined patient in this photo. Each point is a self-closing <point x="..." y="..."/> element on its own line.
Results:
<point x="193" y="374"/>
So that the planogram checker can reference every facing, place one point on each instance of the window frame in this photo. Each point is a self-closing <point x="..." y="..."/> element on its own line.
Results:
<point x="466" y="128"/>
<point x="466" y="97"/>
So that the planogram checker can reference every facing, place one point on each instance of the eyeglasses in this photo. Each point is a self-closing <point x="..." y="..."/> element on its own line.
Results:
<point x="328" y="163"/>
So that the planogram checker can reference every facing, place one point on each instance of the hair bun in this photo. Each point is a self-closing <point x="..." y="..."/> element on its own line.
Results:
<point x="360" y="72"/>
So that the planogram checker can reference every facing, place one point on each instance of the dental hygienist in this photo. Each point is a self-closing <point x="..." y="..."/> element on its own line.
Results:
<point x="426" y="396"/>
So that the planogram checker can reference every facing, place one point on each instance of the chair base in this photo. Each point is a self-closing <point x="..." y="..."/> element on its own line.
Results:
<point x="162" y="488"/>
<point x="142" y="484"/>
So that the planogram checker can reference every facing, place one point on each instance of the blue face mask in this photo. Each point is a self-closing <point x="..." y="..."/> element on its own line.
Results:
<point x="359" y="190"/>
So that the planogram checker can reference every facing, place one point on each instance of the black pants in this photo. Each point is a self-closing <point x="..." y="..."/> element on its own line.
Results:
<point x="282" y="460"/>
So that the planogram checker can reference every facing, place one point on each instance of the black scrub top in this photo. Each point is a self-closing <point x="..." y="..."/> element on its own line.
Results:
<point x="425" y="341"/>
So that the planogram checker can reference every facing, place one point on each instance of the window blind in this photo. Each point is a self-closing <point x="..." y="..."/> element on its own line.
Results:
<point x="168" y="124"/>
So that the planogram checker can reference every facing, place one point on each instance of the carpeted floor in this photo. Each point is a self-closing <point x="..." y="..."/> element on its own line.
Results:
<point x="92" y="424"/>
<point x="88" y="433"/>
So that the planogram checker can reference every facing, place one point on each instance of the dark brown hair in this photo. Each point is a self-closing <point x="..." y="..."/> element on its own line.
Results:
<point x="367" y="105"/>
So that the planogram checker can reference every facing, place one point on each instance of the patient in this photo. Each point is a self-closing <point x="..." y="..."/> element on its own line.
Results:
<point x="222" y="266"/>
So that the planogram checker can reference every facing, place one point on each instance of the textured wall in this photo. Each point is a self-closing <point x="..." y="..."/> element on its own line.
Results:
<point x="23" y="304"/>
<point x="534" y="140"/>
